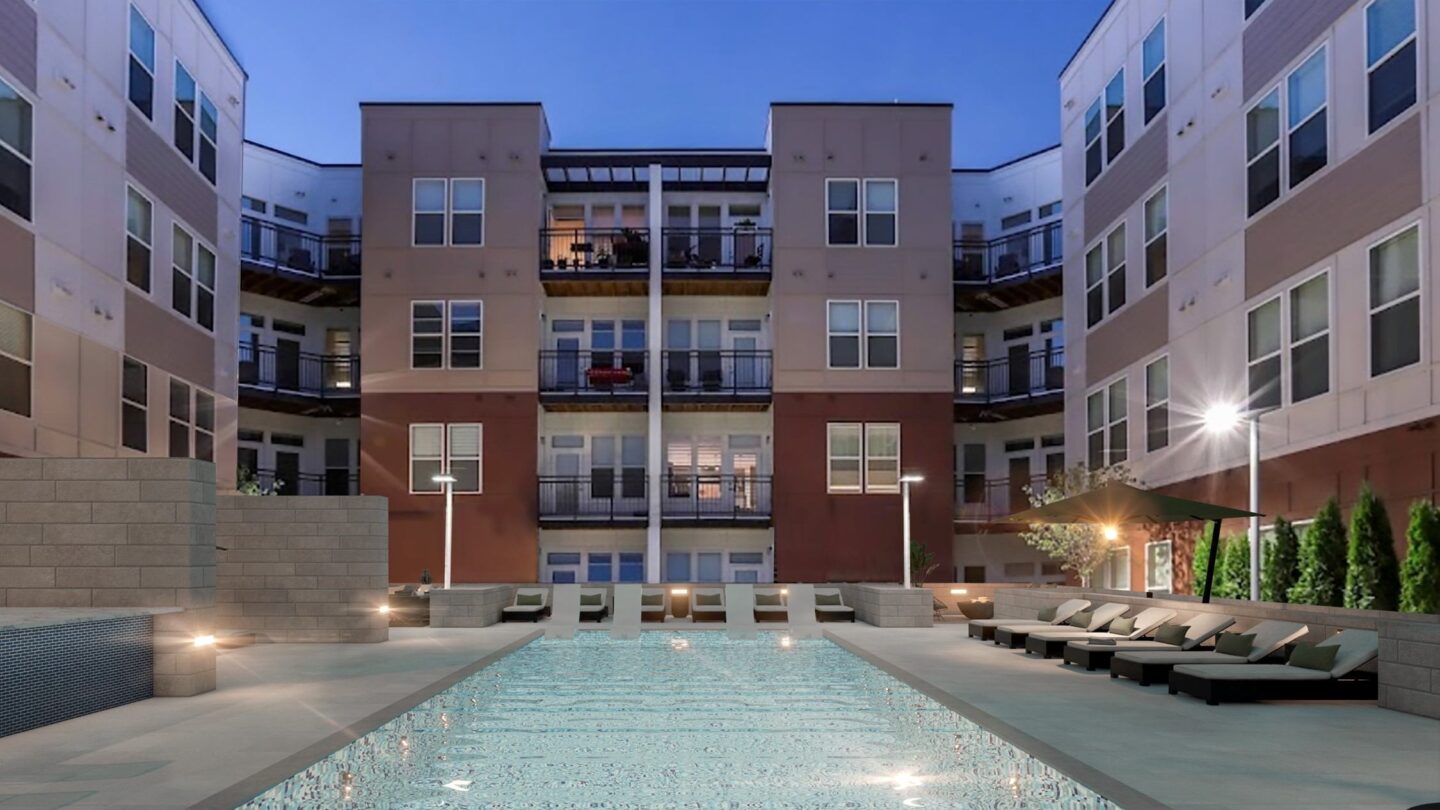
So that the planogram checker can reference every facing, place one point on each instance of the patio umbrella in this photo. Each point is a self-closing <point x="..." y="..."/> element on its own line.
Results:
<point x="1117" y="504"/>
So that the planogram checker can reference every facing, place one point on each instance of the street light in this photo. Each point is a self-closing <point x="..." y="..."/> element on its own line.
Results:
<point x="1222" y="418"/>
<point x="448" y="481"/>
<point x="905" y="481"/>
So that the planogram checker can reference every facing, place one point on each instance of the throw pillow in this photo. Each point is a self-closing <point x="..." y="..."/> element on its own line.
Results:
<point x="1235" y="644"/>
<point x="1122" y="627"/>
<point x="1082" y="618"/>
<point x="767" y="599"/>
<point x="652" y="599"/>
<point x="591" y="599"/>
<point x="1314" y="656"/>
<point x="827" y="599"/>
<point x="530" y="599"/>
<point x="1172" y="634"/>
<point x="707" y="599"/>
<point x="1047" y="615"/>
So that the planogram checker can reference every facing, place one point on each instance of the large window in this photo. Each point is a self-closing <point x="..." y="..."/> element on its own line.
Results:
<point x="433" y="445"/>
<point x="1157" y="226"/>
<point x="427" y="457"/>
<point x="1273" y="162"/>
<point x="1310" y="338"/>
<point x="467" y="212"/>
<point x="429" y="211"/>
<point x="139" y="236"/>
<point x="1159" y="568"/>
<point x="16" y="161"/>
<point x="882" y="334"/>
<point x="135" y="405"/>
<point x="1107" y="425"/>
<point x="1395" y="302"/>
<point x="465" y="333"/>
<point x="1307" y="127"/>
<point x="1263" y="358"/>
<point x="844" y="454"/>
<point x="842" y="212"/>
<point x="427" y="334"/>
<point x="447" y="334"/>
<point x="1390" y="61"/>
<point x="1105" y="276"/>
<point x="448" y="211"/>
<point x="184" y="111"/>
<point x="463" y="447"/>
<point x="1153" y="59"/>
<point x="863" y="334"/>
<point x="142" y="64"/>
<point x="881" y="213"/>
<point x="1105" y="123"/>
<point x="17" y="360"/>
<point x="882" y="457"/>
<point x="863" y="457"/>
<point x="852" y="217"/>
<point x="192" y="278"/>
<point x="1157" y="405"/>
<point x="180" y="419"/>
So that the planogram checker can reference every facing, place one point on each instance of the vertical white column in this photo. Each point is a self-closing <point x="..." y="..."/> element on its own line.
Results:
<point x="655" y="462"/>
<point x="1254" y="507"/>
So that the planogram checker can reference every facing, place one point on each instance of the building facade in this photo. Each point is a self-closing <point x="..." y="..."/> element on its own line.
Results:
<point x="120" y="133"/>
<point x="1250" y="195"/>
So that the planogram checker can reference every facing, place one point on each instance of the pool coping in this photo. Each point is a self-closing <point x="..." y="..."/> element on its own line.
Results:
<point x="1109" y="788"/>
<point x="257" y="783"/>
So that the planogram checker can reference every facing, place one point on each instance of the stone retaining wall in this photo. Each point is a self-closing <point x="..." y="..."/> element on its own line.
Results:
<point x="889" y="605"/>
<point x="470" y="605"/>
<point x="1410" y="665"/>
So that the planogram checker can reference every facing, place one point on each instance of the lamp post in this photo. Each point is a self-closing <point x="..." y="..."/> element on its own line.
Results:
<point x="448" y="481"/>
<point x="1221" y="419"/>
<point x="905" y="482"/>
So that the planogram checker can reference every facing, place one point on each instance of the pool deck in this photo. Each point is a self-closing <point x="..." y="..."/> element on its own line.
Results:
<point x="279" y="707"/>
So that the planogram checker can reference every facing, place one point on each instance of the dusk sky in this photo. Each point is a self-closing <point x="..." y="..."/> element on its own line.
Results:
<point x="641" y="73"/>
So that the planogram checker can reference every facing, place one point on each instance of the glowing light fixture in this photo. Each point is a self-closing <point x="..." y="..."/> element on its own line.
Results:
<point x="207" y="640"/>
<point x="1110" y="533"/>
<point x="383" y="609"/>
<point x="958" y="591"/>
<point x="679" y="591"/>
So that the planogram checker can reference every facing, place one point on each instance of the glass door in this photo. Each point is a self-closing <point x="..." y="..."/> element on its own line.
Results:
<point x="677" y="367"/>
<point x="709" y="363"/>
<point x="567" y="490"/>
<point x="709" y="242"/>
<point x="567" y="363"/>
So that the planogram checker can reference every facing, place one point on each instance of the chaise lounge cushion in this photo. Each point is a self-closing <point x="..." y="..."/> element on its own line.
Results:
<point x="1172" y="634"/>
<point x="767" y="600"/>
<point x="1235" y="644"/>
<point x="1312" y="656"/>
<point x="592" y="599"/>
<point x="529" y="600"/>
<point x="707" y="600"/>
<point x="1266" y="672"/>
<point x="1174" y="656"/>
<point x="827" y="599"/>
<point x="655" y="600"/>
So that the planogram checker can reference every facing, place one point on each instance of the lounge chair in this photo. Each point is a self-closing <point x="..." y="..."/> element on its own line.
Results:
<point x="625" y="621"/>
<point x="1014" y="635"/>
<point x="984" y="629"/>
<point x="707" y="605"/>
<point x="594" y="604"/>
<point x="770" y="605"/>
<point x="800" y="604"/>
<point x="1051" y="643"/>
<point x="564" y="611"/>
<point x="1199" y="629"/>
<point x="830" y="606"/>
<point x="652" y="605"/>
<point x="530" y="604"/>
<point x="1292" y="680"/>
<point x="1153" y="666"/>
<point x="740" y="610"/>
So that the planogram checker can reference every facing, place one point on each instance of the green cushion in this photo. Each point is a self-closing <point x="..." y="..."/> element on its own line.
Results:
<point x="1048" y="614"/>
<point x="1235" y="644"/>
<point x="1082" y="618"/>
<point x="1313" y="656"/>
<point x="527" y="599"/>
<point x="592" y="599"/>
<point x="652" y="599"/>
<point x="767" y="599"/>
<point x="827" y="599"/>
<point x="1172" y="634"/>
<point x="1123" y="627"/>
<point x="708" y="599"/>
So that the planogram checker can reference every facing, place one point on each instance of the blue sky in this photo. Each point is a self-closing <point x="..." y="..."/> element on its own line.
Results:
<point x="654" y="73"/>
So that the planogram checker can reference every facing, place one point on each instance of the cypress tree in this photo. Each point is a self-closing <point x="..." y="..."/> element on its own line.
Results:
<point x="1199" y="563"/>
<point x="1281" y="562"/>
<point x="1420" y="576"/>
<point x="1232" y="568"/>
<point x="1372" y="573"/>
<point x="1322" y="560"/>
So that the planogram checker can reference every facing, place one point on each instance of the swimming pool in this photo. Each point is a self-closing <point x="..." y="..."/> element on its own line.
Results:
<point x="686" y="719"/>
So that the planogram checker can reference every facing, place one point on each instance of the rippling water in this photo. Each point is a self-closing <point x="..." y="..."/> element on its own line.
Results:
<point x="683" y="720"/>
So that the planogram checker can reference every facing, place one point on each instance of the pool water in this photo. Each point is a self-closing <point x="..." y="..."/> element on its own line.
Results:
<point x="686" y="720"/>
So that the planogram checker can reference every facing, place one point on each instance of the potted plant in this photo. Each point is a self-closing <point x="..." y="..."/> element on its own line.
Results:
<point x="602" y="259"/>
<point x="425" y="578"/>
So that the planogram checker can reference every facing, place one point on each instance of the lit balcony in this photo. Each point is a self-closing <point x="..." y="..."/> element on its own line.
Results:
<point x="331" y="482"/>
<point x="988" y="501"/>
<point x="601" y="499"/>
<point x="285" y="379"/>
<point x="295" y="265"/>
<point x="595" y="261"/>
<point x="1023" y="384"/>
<point x="718" y="261"/>
<point x="594" y="379"/>
<point x="730" y="379"/>
<point x="1011" y="271"/>
<point x="718" y="499"/>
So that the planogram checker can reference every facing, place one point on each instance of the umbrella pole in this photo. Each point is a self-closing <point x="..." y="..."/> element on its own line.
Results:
<point x="1210" y="563"/>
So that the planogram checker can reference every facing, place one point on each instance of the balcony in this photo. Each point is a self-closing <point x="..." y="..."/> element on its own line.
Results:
<point x="594" y="379"/>
<point x="296" y="265"/>
<point x="1024" y="384"/>
<point x="331" y="482"/>
<point x="708" y="379"/>
<point x="718" y="261"/>
<point x="282" y="379"/>
<point x="1014" y="270"/>
<point x="593" y="501"/>
<point x="595" y="261"/>
<point x="988" y="501"/>
<point x="715" y="500"/>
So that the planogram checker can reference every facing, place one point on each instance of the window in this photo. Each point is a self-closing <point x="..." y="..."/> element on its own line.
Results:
<point x="1395" y="302"/>
<point x="842" y="324"/>
<point x="1115" y="264"/>
<point x="632" y="566"/>
<point x="863" y="457"/>
<point x="182" y="256"/>
<point x="600" y="566"/>
<point x="433" y="445"/>
<point x="1115" y="116"/>
<point x="1156" y="227"/>
<point x="1262" y="149"/>
<point x="972" y="473"/>
<point x="446" y="334"/>
<point x="1015" y="220"/>
<point x="1157" y="405"/>
<point x="1159" y="571"/>
<point x="843" y="455"/>
<point x="1094" y="148"/>
<point x="464" y="449"/>
<point x="427" y="457"/>
<point x="184" y="111"/>
<point x="204" y="426"/>
<point x="882" y="457"/>
<point x="842" y="212"/>
<point x="134" y="404"/>
<point x="466" y="331"/>
<point x="1389" y="59"/>
<point x="139" y="224"/>
<point x="205" y="287"/>
<point x="1106" y="426"/>
<point x="1049" y="209"/>
<point x="290" y="214"/>
<point x="179" y="419"/>
<point x="253" y="204"/>
<point x="881" y="213"/>
<point x="16" y="161"/>
<point x="427" y="334"/>
<point x="142" y="64"/>
<point x="17" y="361"/>
<point x="878" y="333"/>
<point x="882" y="334"/>
<point x="1308" y="132"/>
<point x="1310" y="338"/>
<point x="1115" y="571"/>
<point x="1105" y="276"/>
<point x="1117" y="403"/>
<point x="467" y="212"/>
<point x="429" y="211"/>
<point x="1264" y="352"/>
<point x="1095" y="284"/>
<point x="1273" y="163"/>
<point x="1252" y="6"/>
<point x="1153" y="70"/>
<point x="209" y="137"/>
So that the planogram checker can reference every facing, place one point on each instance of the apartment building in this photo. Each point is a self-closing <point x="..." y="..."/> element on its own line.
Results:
<point x="1250" y="194"/>
<point x="120" y="132"/>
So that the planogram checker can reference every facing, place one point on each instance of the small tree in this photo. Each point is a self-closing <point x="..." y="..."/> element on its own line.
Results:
<point x="1232" y="568"/>
<point x="1322" y="560"/>
<point x="922" y="564"/>
<point x="1372" y="573"/>
<point x="1200" y="563"/>
<point x="1420" y="576"/>
<point x="246" y="483"/>
<point x="1079" y="547"/>
<point x="1281" y="562"/>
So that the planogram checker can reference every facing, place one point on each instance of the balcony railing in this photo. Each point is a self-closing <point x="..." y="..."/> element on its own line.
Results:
<point x="267" y="368"/>
<point x="705" y="497"/>
<point x="716" y="372"/>
<point x="701" y="250"/>
<point x="593" y="372"/>
<point x="297" y="251"/>
<point x="330" y="482"/>
<point x="1020" y="377"/>
<point x="595" y="250"/>
<point x="980" y="499"/>
<point x="1009" y="258"/>
<point x="603" y="496"/>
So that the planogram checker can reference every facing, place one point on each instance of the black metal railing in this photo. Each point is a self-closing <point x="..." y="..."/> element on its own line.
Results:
<point x="333" y="257"/>
<point x="742" y="249"/>
<point x="603" y="495"/>
<point x="715" y="497"/>
<point x="330" y="482"/>
<point x="1022" y="376"/>
<point x="1009" y="258"/>
<point x="978" y="498"/>
<point x="721" y="372"/>
<point x="615" y="372"/>
<point x="594" y="249"/>
<point x="281" y="370"/>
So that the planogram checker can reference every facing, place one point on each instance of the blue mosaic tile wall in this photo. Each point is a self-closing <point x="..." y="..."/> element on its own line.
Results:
<point x="49" y="674"/>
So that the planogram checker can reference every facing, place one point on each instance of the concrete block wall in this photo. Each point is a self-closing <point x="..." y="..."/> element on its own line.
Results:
<point x="1410" y="664"/>
<point x="96" y="533"/>
<point x="889" y="605"/>
<point x="470" y="606"/>
<point x="303" y="569"/>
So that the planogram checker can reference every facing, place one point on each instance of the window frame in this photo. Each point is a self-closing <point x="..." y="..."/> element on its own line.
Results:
<point x="1154" y="587"/>
<point x="411" y="457"/>
<point x="1110" y="568"/>
<point x="831" y="487"/>
<point x="858" y="334"/>
<point x="1162" y="70"/>
<point x="177" y="225"/>
<point x="1279" y="147"/>
<point x="130" y="54"/>
<point x="1151" y="404"/>
<point x="865" y="334"/>
<point x="444" y="212"/>
<point x="28" y="362"/>
<point x="449" y="455"/>
<point x="1386" y="57"/>
<point x="196" y="431"/>
<point x="142" y="407"/>
<point x="1111" y="422"/>
<point x="451" y="212"/>
<point x="444" y="317"/>
<point x="880" y="489"/>
<point x="1162" y="194"/>
<point x="1289" y="344"/>
<point x="448" y="331"/>
<point x="858" y="213"/>
<point x="1288" y="131"/>
<point x="1107" y="119"/>
<point x="175" y="105"/>
<point x="149" y="289"/>
<point x="171" y="420"/>
<point x="201" y="100"/>
<point x="28" y="160"/>
<point x="865" y="212"/>
<point x="1278" y="299"/>
<point x="1420" y="291"/>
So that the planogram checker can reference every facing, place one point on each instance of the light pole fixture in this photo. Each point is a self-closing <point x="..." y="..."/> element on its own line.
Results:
<point x="1221" y="419"/>
<point x="905" y="481"/>
<point x="448" y="481"/>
